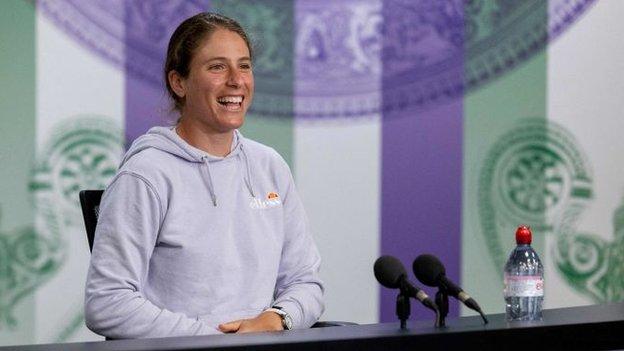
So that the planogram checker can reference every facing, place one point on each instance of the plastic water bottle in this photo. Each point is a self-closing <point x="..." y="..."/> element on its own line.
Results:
<point x="524" y="280"/>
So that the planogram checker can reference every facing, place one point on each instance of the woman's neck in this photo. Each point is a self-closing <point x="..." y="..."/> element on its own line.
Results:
<point x="212" y="142"/>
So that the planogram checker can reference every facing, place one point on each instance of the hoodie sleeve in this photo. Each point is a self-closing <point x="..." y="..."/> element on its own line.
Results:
<point x="299" y="290"/>
<point x="115" y="305"/>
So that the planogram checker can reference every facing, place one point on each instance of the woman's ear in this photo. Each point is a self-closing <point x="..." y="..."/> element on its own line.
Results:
<point x="177" y="83"/>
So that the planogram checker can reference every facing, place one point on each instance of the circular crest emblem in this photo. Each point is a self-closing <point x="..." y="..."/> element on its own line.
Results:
<point x="535" y="174"/>
<point x="82" y="153"/>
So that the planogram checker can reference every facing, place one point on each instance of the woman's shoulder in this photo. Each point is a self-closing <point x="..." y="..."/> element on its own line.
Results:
<point x="149" y="161"/>
<point x="263" y="153"/>
<point x="155" y="167"/>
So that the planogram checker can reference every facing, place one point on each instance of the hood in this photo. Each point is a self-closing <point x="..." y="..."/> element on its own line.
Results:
<point x="167" y="140"/>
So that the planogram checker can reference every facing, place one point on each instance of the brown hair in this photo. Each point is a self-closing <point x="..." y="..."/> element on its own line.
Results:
<point x="187" y="38"/>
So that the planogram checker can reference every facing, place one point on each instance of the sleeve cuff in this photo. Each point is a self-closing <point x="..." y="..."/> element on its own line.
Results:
<point x="294" y="311"/>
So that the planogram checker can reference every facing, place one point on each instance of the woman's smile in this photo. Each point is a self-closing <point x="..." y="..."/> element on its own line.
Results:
<point x="231" y="102"/>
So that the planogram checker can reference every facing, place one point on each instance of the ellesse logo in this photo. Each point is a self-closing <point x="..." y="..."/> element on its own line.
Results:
<point x="272" y="196"/>
<point x="272" y="200"/>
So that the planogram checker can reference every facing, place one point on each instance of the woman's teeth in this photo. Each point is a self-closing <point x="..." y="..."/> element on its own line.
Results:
<point x="234" y="99"/>
<point x="232" y="103"/>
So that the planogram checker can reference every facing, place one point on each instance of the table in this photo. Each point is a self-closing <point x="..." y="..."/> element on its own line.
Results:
<point x="586" y="327"/>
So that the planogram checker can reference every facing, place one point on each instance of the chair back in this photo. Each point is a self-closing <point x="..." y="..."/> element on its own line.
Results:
<point x="90" y="204"/>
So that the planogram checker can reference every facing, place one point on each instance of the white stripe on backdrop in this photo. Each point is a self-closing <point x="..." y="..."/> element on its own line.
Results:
<point x="72" y="83"/>
<point x="585" y="95"/>
<point x="337" y="166"/>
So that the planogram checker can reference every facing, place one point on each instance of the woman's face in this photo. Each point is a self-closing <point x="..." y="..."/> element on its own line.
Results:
<point x="220" y="85"/>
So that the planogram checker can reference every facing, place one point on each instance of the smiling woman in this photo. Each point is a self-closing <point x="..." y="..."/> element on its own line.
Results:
<point x="217" y="92"/>
<point x="182" y="246"/>
<point x="209" y="77"/>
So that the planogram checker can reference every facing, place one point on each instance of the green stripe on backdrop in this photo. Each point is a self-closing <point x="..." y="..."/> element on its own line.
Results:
<point x="17" y="150"/>
<point x="503" y="134"/>
<point x="270" y="24"/>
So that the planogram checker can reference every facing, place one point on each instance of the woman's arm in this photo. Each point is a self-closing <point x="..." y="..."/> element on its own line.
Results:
<point x="127" y="230"/>
<point x="299" y="290"/>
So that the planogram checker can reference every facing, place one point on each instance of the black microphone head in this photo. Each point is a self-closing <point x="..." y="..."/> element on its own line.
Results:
<point x="428" y="269"/>
<point x="389" y="271"/>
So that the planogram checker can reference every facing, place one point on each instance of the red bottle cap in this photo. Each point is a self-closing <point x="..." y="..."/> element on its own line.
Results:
<point x="523" y="235"/>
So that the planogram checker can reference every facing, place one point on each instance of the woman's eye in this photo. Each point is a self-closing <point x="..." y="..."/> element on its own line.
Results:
<point x="216" y="67"/>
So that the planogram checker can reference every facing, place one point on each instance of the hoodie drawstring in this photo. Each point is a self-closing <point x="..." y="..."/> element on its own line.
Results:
<point x="167" y="140"/>
<point x="209" y="181"/>
<point x="248" y="169"/>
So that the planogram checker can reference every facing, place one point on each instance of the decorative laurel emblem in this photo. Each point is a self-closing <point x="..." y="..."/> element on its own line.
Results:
<point x="329" y="53"/>
<point x="537" y="174"/>
<point x="26" y="260"/>
<point x="534" y="174"/>
<point x="592" y="265"/>
<point x="82" y="153"/>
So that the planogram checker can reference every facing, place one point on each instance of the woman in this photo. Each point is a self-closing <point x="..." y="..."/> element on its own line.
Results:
<point x="202" y="231"/>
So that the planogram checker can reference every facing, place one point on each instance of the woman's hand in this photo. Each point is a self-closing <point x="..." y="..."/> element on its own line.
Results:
<point x="265" y="321"/>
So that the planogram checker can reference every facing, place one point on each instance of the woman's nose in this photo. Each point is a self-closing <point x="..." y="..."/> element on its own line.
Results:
<point x="235" y="78"/>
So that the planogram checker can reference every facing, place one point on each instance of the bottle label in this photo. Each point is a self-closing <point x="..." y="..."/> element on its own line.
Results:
<point x="523" y="286"/>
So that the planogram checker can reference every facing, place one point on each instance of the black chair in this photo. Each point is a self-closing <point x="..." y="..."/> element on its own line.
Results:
<point x="90" y="204"/>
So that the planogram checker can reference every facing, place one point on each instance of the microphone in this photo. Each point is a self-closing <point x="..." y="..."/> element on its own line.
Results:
<point x="390" y="272"/>
<point x="431" y="272"/>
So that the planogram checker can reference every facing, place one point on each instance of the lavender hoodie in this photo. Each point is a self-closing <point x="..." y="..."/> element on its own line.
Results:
<point x="186" y="241"/>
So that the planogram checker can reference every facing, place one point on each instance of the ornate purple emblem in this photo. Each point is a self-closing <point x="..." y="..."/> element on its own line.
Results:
<point x="428" y="51"/>
<point x="130" y="34"/>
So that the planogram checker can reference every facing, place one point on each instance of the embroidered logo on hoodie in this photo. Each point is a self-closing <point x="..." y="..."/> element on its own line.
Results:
<point x="272" y="196"/>
<point x="272" y="200"/>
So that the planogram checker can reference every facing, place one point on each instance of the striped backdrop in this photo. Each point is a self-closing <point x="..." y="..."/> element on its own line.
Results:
<point x="411" y="127"/>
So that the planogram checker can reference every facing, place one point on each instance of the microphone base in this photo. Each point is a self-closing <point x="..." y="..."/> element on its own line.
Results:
<point x="403" y="308"/>
<point x="442" y="300"/>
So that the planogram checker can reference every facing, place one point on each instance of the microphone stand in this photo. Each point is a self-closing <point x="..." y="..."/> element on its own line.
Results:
<point x="403" y="304"/>
<point x="442" y="300"/>
<point x="403" y="308"/>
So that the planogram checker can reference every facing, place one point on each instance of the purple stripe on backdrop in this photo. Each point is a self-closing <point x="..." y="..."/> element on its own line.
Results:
<point x="421" y="147"/>
<point x="144" y="107"/>
<point x="148" y="26"/>
<point x="421" y="192"/>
